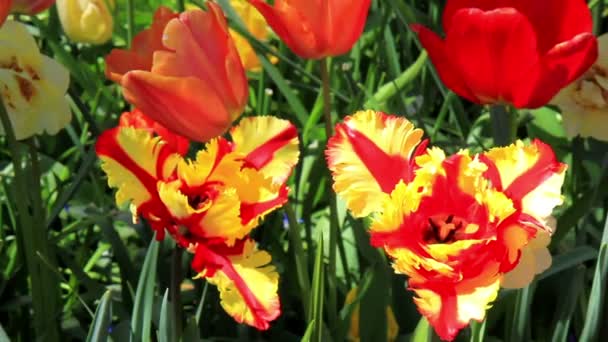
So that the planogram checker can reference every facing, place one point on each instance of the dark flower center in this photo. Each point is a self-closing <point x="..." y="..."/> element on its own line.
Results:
<point x="443" y="229"/>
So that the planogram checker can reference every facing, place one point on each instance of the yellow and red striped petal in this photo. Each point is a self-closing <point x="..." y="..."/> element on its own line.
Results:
<point x="370" y="153"/>
<point x="530" y="175"/>
<point x="134" y="161"/>
<point x="247" y="282"/>
<point x="138" y="119"/>
<point x="269" y="144"/>
<point x="450" y="308"/>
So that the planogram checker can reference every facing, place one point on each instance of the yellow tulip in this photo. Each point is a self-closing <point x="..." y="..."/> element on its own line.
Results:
<point x="584" y="103"/>
<point x="86" y="21"/>
<point x="257" y="26"/>
<point x="32" y="85"/>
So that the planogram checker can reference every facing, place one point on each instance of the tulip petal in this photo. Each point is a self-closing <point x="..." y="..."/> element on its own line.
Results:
<point x="270" y="145"/>
<point x="436" y="49"/>
<point x="448" y="310"/>
<point x="530" y="175"/>
<point x="201" y="47"/>
<point x="138" y="119"/>
<point x="182" y="104"/>
<point x="351" y="16"/>
<point x="370" y="153"/>
<point x="492" y="51"/>
<point x="553" y="24"/>
<point x="561" y="65"/>
<point x="248" y="284"/>
<point x="535" y="259"/>
<point x="289" y="24"/>
<point x="144" y="44"/>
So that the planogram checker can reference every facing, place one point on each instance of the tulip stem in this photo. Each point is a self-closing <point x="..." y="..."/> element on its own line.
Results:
<point x="504" y="124"/>
<point x="333" y="206"/>
<point x="181" y="6"/>
<point x="130" y="21"/>
<point x="44" y="285"/>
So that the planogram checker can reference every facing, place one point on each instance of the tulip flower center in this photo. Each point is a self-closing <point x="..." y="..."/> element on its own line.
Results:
<point x="443" y="229"/>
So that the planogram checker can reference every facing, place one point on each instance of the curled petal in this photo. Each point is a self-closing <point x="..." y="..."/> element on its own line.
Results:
<point x="370" y="153"/>
<point x="248" y="284"/>
<point x="269" y="145"/>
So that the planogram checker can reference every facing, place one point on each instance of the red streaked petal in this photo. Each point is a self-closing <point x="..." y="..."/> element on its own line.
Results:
<point x="138" y="119"/>
<point x="248" y="284"/>
<point x="251" y="212"/>
<point x="134" y="162"/>
<point x="450" y="307"/>
<point x="370" y="153"/>
<point x="270" y="145"/>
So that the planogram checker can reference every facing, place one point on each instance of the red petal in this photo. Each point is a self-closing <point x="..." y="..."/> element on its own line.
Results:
<point x="450" y="75"/>
<point x="559" y="67"/>
<point x="492" y="50"/>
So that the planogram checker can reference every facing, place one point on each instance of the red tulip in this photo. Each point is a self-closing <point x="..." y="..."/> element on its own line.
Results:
<point x="520" y="52"/>
<point x="184" y="73"/>
<point x="316" y="28"/>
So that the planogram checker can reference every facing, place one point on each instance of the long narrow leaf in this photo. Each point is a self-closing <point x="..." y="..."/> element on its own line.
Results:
<point x="141" y="319"/>
<point x="100" y="328"/>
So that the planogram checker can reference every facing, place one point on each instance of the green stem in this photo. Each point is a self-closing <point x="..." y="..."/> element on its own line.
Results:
<point x="295" y="238"/>
<point x="44" y="286"/>
<point x="333" y="207"/>
<point x="175" y="290"/>
<point x="504" y="124"/>
<point x="181" y="5"/>
<point x="130" y="21"/>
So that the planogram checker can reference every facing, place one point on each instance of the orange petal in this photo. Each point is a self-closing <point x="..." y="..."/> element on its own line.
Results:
<point x="269" y="144"/>
<point x="185" y="105"/>
<point x="145" y="43"/>
<point x="248" y="284"/>
<point x="370" y="153"/>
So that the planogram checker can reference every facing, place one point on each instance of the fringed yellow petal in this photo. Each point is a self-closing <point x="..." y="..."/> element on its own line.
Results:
<point x="540" y="202"/>
<point x="129" y="188"/>
<point x="368" y="156"/>
<point x="268" y="144"/>
<point x="512" y="161"/>
<point x="248" y="289"/>
<point x="195" y="173"/>
<point x="222" y="219"/>
<point x="401" y="202"/>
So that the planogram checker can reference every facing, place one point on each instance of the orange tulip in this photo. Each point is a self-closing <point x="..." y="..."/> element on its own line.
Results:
<point x="184" y="72"/>
<point x="316" y="28"/>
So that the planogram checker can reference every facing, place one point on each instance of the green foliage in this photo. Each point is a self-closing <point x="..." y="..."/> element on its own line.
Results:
<point x="87" y="253"/>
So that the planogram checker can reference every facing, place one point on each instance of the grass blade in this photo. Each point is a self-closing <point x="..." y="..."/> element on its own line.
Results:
<point x="100" y="328"/>
<point x="318" y="291"/>
<point x="141" y="319"/>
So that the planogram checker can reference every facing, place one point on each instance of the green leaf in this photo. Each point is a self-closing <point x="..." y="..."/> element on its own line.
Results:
<point x="593" y="319"/>
<point x="423" y="332"/>
<point x="568" y="260"/>
<point x="141" y="319"/>
<point x="575" y="282"/>
<point x="100" y="328"/>
<point x="166" y="329"/>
